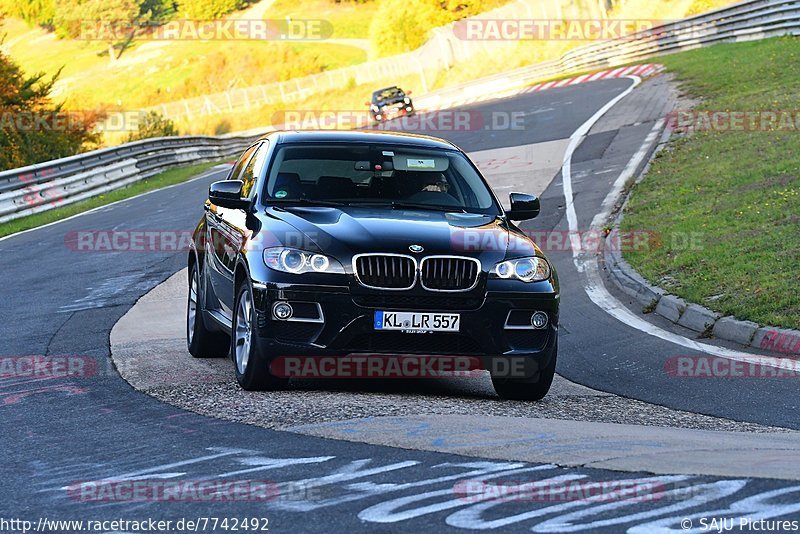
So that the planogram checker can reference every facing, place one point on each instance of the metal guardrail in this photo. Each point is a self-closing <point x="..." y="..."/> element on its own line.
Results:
<point x="441" y="51"/>
<point x="47" y="185"/>
<point x="746" y="21"/>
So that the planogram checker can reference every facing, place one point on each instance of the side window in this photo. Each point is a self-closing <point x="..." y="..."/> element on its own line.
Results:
<point x="253" y="169"/>
<point x="237" y="169"/>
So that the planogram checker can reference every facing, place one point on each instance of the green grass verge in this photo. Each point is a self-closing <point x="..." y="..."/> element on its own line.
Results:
<point x="350" y="20"/>
<point x="735" y="194"/>
<point x="170" y="177"/>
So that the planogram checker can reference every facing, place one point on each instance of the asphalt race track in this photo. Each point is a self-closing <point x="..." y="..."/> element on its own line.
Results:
<point x="61" y="432"/>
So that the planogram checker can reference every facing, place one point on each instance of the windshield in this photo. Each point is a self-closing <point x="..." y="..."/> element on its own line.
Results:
<point x="383" y="94"/>
<point x="377" y="175"/>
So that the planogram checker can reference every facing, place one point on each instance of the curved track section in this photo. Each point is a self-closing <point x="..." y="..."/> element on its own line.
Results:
<point x="76" y="439"/>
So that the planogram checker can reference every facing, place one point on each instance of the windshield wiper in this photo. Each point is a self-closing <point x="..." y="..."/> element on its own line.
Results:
<point x="399" y="205"/>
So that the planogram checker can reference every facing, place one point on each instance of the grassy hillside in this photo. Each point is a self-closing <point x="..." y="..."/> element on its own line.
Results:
<point x="152" y="72"/>
<point x="736" y="193"/>
<point x="161" y="71"/>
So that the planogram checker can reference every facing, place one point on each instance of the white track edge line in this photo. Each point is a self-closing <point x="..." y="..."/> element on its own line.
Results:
<point x="206" y="174"/>
<point x="594" y="286"/>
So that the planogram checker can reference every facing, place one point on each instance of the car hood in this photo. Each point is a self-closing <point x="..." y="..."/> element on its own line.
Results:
<point x="345" y="232"/>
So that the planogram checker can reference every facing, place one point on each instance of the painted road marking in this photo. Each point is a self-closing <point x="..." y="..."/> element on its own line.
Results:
<point x="594" y="286"/>
<point x="482" y="495"/>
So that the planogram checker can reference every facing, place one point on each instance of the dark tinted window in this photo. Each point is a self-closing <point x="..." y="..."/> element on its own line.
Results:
<point x="368" y="174"/>
<point x="253" y="169"/>
<point x="390" y="92"/>
<point x="236" y="172"/>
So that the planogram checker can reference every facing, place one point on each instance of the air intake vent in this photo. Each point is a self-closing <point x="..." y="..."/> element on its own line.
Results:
<point x="386" y="271"/>
<point x="450" y="273"/>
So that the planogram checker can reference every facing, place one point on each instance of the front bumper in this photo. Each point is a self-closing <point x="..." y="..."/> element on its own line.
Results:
<point x="390" y="112"/>
<point x="492" y="324"/>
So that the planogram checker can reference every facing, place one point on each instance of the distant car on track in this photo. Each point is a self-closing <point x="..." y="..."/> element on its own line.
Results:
<point x="389" y="103"/>
<point x="327" y="244"/>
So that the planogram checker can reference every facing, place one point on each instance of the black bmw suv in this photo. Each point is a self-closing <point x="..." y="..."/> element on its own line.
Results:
<point x="389" y="103"/>
<point x="333" y="244"/>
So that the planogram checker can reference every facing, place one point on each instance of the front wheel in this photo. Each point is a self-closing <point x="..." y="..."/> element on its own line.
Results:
<point x="251" y="359"/>
<point x="202" y="342"/>
<point x="527" y="389"/>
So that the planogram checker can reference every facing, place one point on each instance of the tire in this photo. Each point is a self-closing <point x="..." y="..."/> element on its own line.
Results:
<point x="202" y="342"/>
<point x="251" y="359"/>
<point x="527" y="389"/>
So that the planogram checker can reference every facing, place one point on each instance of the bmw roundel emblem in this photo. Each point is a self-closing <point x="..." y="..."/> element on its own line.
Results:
<point x="416" y="248"/>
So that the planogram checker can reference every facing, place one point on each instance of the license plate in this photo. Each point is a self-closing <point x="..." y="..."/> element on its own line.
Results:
<point x="416" y="322"/>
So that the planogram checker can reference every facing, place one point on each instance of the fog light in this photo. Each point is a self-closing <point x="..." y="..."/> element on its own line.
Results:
<point x="282" y="311"/>
<point x="539" y="320"/>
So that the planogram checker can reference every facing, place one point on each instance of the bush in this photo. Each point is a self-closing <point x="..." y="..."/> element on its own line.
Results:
<point x="403" y="25"/>
<point x="704" y="6"/>
<point x="154" y="125"/>
<point x="222" y="127"/>
<point x="208" y="9"/>
<point x="32" y="128"/>
<point x="72" y="15"/>
<point x="34" y="12"/>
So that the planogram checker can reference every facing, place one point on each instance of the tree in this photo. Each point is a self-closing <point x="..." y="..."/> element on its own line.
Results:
<point x="159" y="10"/>
<point x="114" y="22"/>
<point x="209" y="9"/>
<point x="402" y="25"/>
<point x="32" y="128"/>
<point x="154" y="125"/>
<point x="34" y="12"/>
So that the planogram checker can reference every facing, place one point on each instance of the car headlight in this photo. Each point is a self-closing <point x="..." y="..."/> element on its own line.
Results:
<point x="407" y="100"/>
<point x="531" y="269"/>
<point x="290" y="260"/>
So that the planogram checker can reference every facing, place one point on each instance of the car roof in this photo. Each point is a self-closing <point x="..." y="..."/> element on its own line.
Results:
<point x="358" y="136"/>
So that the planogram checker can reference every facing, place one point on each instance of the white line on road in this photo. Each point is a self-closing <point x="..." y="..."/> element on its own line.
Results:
<point x="566" y="166"/>
<point x="210" y="172"/>
<point x="587" y="264"/>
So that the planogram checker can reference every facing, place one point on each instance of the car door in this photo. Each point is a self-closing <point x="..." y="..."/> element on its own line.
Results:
<point x="231" y="227"/>
<point x="222" y="240"/>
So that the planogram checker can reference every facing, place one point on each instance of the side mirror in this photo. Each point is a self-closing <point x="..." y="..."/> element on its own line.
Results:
<point x="228" y="194"/>
<point x="367" y="103"/>
<point x="409" y="92"/>
<point x="523" y="207"/>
